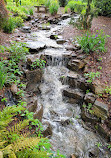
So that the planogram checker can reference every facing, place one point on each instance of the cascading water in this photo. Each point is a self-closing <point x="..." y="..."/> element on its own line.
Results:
<point x="69" y="134"/>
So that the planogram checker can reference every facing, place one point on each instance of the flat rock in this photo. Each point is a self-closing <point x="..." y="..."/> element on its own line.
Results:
<point x="26" y="29"/>
<point x="60" y="41"/>
<point x="65" y="16"/>
<point x="100" y="110"/>
<point x="35" y="46"/>
<point x="73" y="93"/>
<point x="39" y="112"/>
<point x="90" y="98"/>
<point x="47" y="129"/>
<point x="76" y="64"/>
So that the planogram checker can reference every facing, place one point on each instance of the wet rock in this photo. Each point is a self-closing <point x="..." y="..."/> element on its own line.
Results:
<point x="60" y="41"/>
<point x="28" y="18"/>
<point x="32" y="22"/>
<point x="36" y="20"/>
<point x="73" y="93"/>
<point x="54" y="36"/>
<point x="47" y="129"/>
<point x="32" y="105"/>
<point x="39" y="112"/>
<point x="33" y="77"/>
<point x="98" y="87"/>
<point x="26" y="29"/>
<point x="14" y="89"/>
<point x="88" y="117"/>
<point x="90" y="98"/>
<point x="35" y="46"/>
<point x="100" y="110"/>
<point x="65" y="121"/>
<point x="104" y="132"/>
<point x="18" y="39"/>
<point x="69" y="47"/>
<point x="44" y="27"/>
<point x="76" y="65"/>
<point x="65" y="16"/>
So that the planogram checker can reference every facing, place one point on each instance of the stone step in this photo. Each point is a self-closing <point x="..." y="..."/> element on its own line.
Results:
<point x="74" y="94"/>
<point x="76" y="65"/>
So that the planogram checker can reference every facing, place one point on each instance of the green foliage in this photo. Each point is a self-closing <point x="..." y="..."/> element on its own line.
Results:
<point x="108" y="90"/>
<point x="54" y="6"/>
<point x="104" y="7"/>
<point x="3" y="75"/>
<point x="88" y="108"/>
<point x="18" y="53"/>
<point x="31" y="12"/>
<point x="86" y="10"/>
<point x="91" y="76"/>
<point x="93" y="42"/>
<point x="18" y="22"/>
<point x="9" y="25"/>
<point x="47" y="3"/>
<point x="76" y="6"/>
<point x="39" y="63"/>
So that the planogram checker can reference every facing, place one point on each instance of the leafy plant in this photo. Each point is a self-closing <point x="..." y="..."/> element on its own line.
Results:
<point x="93" y="42"/>
<point x="91" y="76"/>
<point x="3" y="74"/>
<point x="31" y="11"/>
<point x="54" y="6"/>
<point x="9" y="25"/>
<point x="39" y="63"/>
<point x="18" y="22"/>
<point x="104" y="7"/>
<point x="75" y="6"/>
<point x="108" y="90"/>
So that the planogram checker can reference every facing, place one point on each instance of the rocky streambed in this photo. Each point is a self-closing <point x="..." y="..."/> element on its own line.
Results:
<point x="57" y="94"/>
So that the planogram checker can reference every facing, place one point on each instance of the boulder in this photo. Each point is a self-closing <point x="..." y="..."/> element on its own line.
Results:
<point x="98" y="87"/>
<point x="33" y="77"/>
<point x="39" y="112"/>
<point x="69" y="47"/>
<point x="100" y="110"/>
<point x="76" y="65"/>
<point x="90" y="98"/>
<point x="88" y="117"/>
<point x="73" y="93"/>
<point x="26" y="29"/>
<point x="60" y="41"/>
<point x="35" y="46"/>
<point x="104" y="132"/>
<point x="47" y="129"/>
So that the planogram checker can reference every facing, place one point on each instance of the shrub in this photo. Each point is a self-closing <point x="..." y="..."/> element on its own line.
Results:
<point x="9" y="25"/>
<point x="93" y="42"/>
<point x="54" y="6"/>
<point x="76" y="6"/>
<point x="18" y="22"/>
<point x="104" y="7"/>
<point x="31" y="11"/>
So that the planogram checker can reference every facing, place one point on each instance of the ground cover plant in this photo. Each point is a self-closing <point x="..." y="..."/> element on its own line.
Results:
<point x="93" y="42"/>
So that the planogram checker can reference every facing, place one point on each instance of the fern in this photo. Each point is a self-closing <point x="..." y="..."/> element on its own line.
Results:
<point x="7" y="114"/>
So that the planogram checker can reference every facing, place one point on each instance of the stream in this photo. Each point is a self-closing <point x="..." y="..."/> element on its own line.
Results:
<point x="69" y="133"/>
